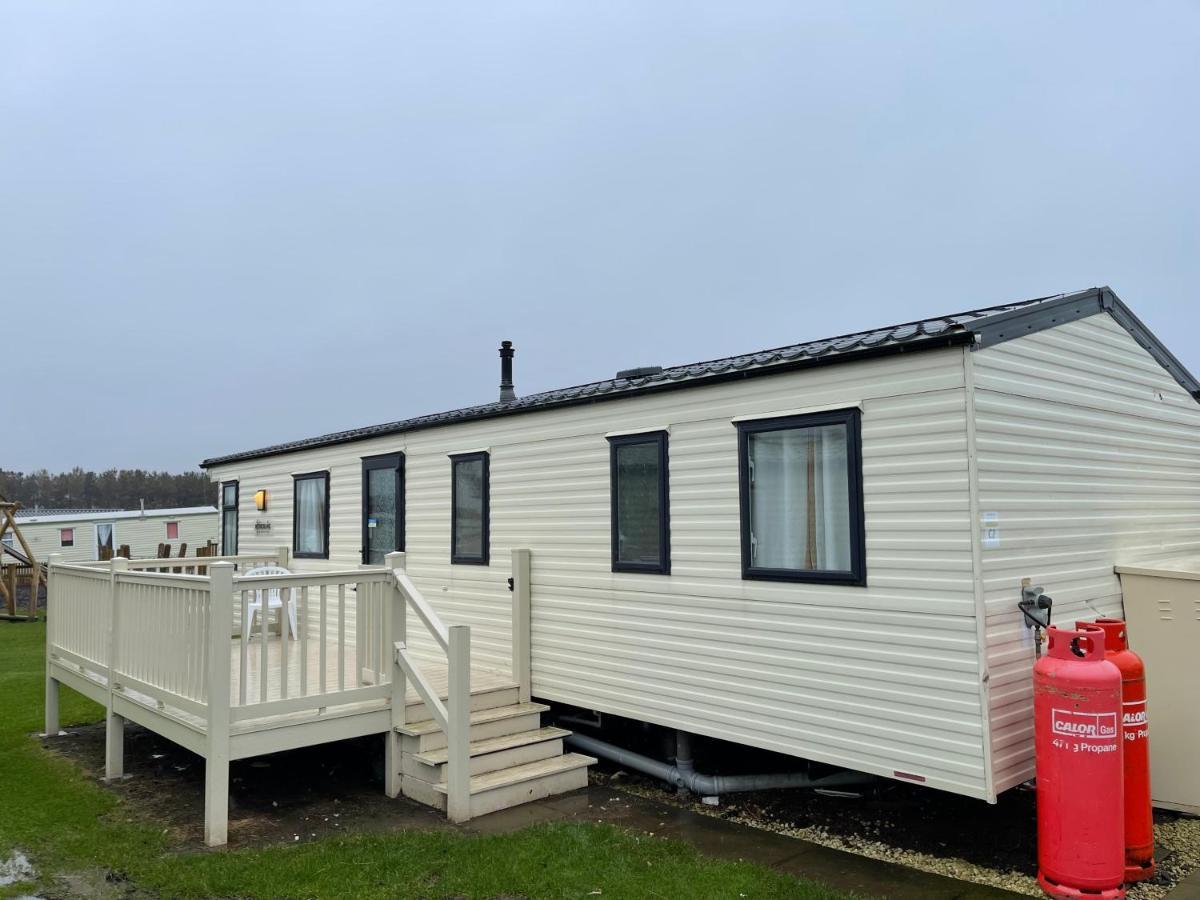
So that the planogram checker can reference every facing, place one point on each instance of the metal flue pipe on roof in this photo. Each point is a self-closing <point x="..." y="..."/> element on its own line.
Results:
<point x="507" y="394"/>
<point x="683" y="773"/>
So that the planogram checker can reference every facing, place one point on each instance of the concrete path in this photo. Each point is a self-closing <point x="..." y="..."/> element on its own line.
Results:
<point x="729" y="840"/>
<point x="1188" y="889"/>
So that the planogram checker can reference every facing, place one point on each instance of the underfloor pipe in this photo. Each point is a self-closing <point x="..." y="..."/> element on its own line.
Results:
<point x="683" y="774"/>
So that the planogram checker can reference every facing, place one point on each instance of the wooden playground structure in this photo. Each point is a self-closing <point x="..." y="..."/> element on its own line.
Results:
<point x="17" y="567"/>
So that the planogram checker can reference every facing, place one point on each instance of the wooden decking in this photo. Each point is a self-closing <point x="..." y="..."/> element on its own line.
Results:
<point x="92" y="681"/>
<point x="162" y="649"/>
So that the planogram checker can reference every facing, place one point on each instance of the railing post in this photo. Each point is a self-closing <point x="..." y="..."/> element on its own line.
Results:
<point x="284" y="554"/>
<point x="366" y="640"/>
<point x="216" y="756"/>
<point x="392" y="746"/>
<point x="51" y="720"/>
<point x="114" y="724"/>
<point x="458" y="734"/>
<point x="522" y="669"/>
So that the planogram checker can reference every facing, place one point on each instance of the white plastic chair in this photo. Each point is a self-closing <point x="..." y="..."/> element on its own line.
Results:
<point x="254" y="602"/>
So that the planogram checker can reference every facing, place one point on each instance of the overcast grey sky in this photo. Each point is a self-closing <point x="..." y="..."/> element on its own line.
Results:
<point x="223" y="226"/>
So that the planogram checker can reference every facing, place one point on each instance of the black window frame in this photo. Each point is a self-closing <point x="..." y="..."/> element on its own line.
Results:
<point x="659" y="438"/>
<point x="62" y="543"/>
<point x="852" y="420"/>
<point x="237" y="496"/>
<point x="394" y="461"/>
<point x="307" y="476"/>
<point x="486" y="518"/>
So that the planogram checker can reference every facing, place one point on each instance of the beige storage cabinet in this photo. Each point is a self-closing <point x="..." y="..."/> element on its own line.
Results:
<point x="1162" y="607"/>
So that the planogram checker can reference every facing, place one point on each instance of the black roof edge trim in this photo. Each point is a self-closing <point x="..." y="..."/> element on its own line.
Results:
<point x="946" y="339"/>
<point x="1020" y="322"/>
<point x="1151" y="344"/>
<point x="1080" y="305"/>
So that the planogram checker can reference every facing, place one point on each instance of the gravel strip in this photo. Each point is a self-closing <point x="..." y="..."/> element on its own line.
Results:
<point x="881" y="826"/>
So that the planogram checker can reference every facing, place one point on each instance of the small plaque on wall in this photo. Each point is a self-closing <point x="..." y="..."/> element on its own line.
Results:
<point x="262" y="526"/>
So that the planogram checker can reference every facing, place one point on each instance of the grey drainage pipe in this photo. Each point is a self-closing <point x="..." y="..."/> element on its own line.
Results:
<point x="684" y="775"/>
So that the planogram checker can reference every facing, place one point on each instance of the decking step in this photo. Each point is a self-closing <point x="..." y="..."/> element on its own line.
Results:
<point x="544" y="768"/>
<point x="496" y="744"/>
<point x="478" y="717"/>
<point x="481" y="698"/>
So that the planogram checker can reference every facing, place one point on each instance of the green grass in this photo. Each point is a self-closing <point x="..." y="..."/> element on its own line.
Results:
<point x="67" y="824"/>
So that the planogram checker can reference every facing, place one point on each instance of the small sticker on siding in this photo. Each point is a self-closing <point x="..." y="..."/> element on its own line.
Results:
<point x="991" y="538"/>
<point x="990" y="518"/>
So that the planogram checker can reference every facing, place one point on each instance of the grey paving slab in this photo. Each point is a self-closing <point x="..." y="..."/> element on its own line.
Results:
<point x="1188" y="889"/>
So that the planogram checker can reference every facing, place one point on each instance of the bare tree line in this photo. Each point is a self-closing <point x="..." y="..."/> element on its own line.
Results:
<point x="111" y="489"/>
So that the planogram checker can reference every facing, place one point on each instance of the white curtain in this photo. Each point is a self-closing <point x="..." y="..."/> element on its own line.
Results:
<point x="310" y="517"/>
<point x="800" y="499"/>
<point x="104" y="534"/>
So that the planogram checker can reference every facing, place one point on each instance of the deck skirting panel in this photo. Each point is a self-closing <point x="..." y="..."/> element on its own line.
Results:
<point x="188" y="736"/>
<point x="84" y="681"/>
<point x="280" y="736"/>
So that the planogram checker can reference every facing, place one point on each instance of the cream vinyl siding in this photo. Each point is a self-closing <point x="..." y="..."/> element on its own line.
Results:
<point x="142" y="534"/>
<point x="1089" y="452"/>
<point x="882" y="679"/>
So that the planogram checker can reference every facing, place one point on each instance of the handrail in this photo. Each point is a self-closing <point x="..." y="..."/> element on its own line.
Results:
<point x="307" y="579"/>
<point x="422" y="608"/>
<point x="454" y="716"/>
<point x="437" y="708"/>
<point x="280" y="555"/>
<point x="77" y="568"/>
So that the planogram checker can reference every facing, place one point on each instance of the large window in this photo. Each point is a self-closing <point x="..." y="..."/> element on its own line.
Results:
<point x="310" y="516"/>
<point x="641" y="529"/>
<point x="469" y="515"/>
<point x="229" y="518"/>
<point x="382" y="507"/>
<point x="801" y="498"/>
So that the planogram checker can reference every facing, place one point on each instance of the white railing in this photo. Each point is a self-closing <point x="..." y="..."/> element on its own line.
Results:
<point x="453" y="716"/>
<point x="160" y="637"/>
<point x="82" y="613"/>
<point x="197" y="565"/>
<point x="340" y="621"/>
<point x="177" y="642"/>
<point x="181" y="644"/>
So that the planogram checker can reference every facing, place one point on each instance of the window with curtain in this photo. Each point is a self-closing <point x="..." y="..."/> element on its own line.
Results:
<point x="66" y="537"/>
<point x="310" y="516"/>
<point x="801" y="498"/>
<point x="469" y="519"/>
<point x="229" y="518"/>
<point x="640" y="510"/>
<point x="104" y="541"/>
<point x="172" y="531"/>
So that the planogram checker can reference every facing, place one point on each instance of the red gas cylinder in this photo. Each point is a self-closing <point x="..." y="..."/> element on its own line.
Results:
<point x="1139" y="816"/>
<point x="1080" y="808"/>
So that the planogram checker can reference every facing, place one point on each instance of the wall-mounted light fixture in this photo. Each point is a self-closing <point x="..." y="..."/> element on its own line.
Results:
<point x="260" y="501"/>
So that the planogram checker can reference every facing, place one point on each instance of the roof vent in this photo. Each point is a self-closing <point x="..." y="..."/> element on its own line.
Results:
<point x="507" y="394"/>
<point x="639" y="372"/>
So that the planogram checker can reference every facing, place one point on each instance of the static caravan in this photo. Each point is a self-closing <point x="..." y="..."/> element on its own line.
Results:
<point x="80" y="535"/>
<point x="816" y="549"/>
